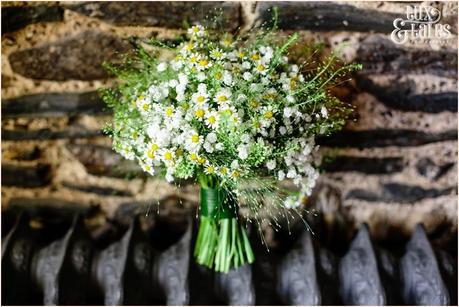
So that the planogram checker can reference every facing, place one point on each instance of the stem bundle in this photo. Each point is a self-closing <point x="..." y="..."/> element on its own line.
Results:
<point x="222" y="244"/>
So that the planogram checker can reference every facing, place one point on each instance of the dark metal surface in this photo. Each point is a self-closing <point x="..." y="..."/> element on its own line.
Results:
<point x="358" y="271"/>
<point x="421" y="278"/>
<point x="72" y="267"/>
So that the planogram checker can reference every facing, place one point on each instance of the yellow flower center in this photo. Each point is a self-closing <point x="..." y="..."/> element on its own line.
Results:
<point x="203" y="62"/>
<point x="255" y="57"/>
<point x="227" y="42"/>
<point x="257" y="125"/>
<point x="179" y="152"/>
<point x="202" y="160"/>
<point x="199" y="113"/>
<point x="254" y="104"/>
<point x="260" y="67"/>
<point x="223" y="170"/>
<point x="135" y="135"/>
<point x="241" y="54"/>
<point x="210" y="169"/>
<point x="195" y="138"/>
<point x="189" y="46"/>
<point x="147" y="167"/>
<point x="154" y="147"/>
<point x="146" y="107"/>
<point x="151" y="154"/>
<point x="201" y="99"/>
<point x="235" y="174"/>
<point x="169" y="111"/>
<point x="218" y="75"/>
<point x="217" y="54"/>
<point x="195" y="30"/>
<point x="193" y="59"/>
<point x="222" y="98"/>
<point x="268" y="115"/>
<point x="193" y="157"/>
<point x="168" y="156"/>
<point x="212" y="119"/>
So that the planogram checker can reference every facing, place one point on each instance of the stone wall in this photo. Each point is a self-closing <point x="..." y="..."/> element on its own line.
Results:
<point x="395" y="166"/>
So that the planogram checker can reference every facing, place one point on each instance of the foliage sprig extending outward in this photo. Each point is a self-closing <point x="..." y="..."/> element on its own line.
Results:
<point x="230" y="112"/>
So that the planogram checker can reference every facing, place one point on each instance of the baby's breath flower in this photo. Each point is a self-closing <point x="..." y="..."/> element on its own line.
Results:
<point x="161" y="67"/>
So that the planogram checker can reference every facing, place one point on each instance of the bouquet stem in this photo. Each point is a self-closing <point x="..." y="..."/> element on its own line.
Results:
<point x="222" y="242"/>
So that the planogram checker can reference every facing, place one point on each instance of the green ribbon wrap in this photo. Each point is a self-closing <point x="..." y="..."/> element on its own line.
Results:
<point x="217" y="204"/>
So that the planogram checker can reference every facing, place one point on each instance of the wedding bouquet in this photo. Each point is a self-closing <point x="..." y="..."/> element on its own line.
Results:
<point x="231" y="113"/>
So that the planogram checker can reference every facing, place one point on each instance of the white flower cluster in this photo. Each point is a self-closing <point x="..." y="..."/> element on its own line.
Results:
<point x="226" y="109"/>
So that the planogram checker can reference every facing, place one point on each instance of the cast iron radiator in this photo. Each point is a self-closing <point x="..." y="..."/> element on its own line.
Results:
<point x="68" y="266"/>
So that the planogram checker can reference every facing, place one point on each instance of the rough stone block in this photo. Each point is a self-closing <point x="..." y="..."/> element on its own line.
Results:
<point x="385" y="137"/>
<point x="398" y="193"/>
<point x="364" y="165"/>
<point x="378" y="54"/>
<point x="78" y="57"/>
<point x="16" y="17"/>
<point x="53" y="104"/>
<point x="26" y="176"/>
<point x="326" y="16"/>
<point x="161" y="14"/>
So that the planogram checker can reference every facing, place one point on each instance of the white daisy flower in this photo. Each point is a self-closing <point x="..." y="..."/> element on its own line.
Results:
<point x="209" y="169"/>
<point x="227" y="41"/>
<point x="147" y="168"/>
<point x="167" y="155"/>
<point x="261" y="68"/>
<point x="197" y="31"/>
<point x="200" y="112"/>
<point x="212" y="119"/>
<point x="203" y="63"/>
<point x="188" y="47"/>
<point x="223" y="96"/>
<point x="217" y="54"/>
<point x="201" y="97"/>
<point x="193" y="141"/>
<point x="143" y="105"/>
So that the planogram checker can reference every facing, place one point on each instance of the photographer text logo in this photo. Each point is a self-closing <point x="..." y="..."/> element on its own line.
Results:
<point x="422" y="24"/>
